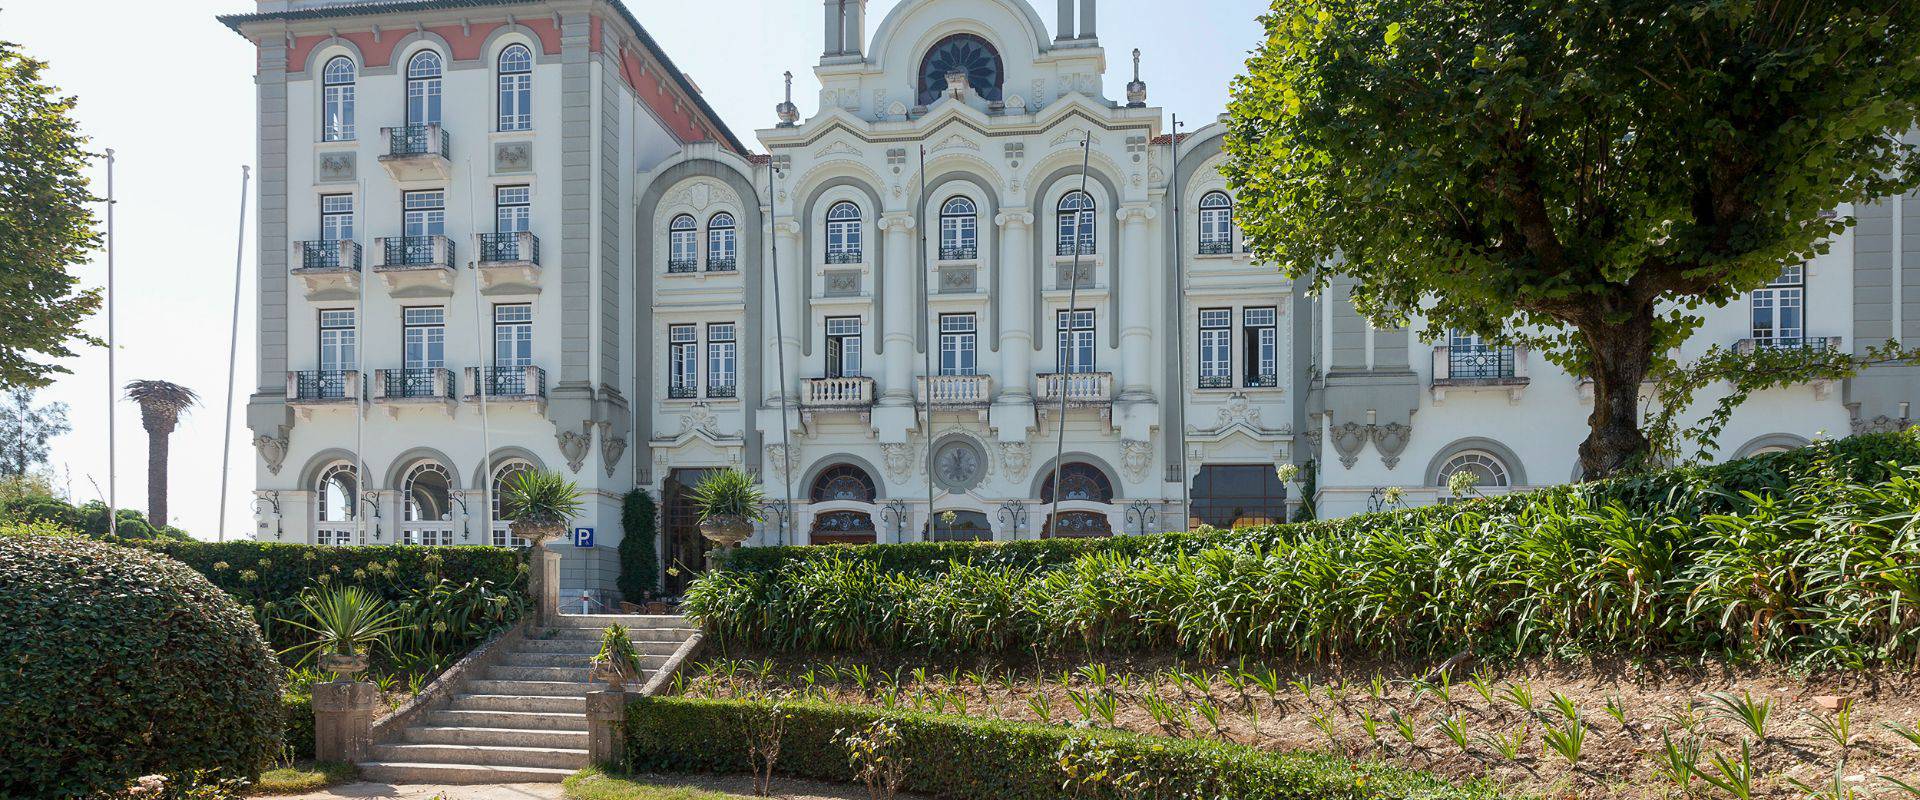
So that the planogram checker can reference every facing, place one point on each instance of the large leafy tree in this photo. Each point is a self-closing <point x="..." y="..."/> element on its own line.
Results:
<point x="25" y="431"/>
<point x="45" y="224"/>
<point x="1583" y="174"/>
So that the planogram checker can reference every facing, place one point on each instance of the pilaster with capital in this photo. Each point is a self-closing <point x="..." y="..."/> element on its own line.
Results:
<point x="1016" y="303"/>
<point x="787" y="335"/>
<point x="1136" y="301"/>
<point x="898" y="314"/>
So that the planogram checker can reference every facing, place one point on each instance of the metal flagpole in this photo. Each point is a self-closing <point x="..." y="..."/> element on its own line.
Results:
<point x="481" y="379"/>
<point x="1180" y="330"/>
<point x="1060" y="355"/>
<point x="113" y="386"/>
<point x="233" y="350"/>
<point x="926" y="351"/>
<point x="359" y="398"/>
<point x="780" y="354"/>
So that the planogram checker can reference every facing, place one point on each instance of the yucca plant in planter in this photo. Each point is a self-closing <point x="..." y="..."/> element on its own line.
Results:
<point x="346" y="622"/>
<point x="729" y="504"/>
<point x="617" y="662"/>
<point x="540" y="505"/>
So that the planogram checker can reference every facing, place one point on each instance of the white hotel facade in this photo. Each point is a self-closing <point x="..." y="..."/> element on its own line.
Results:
<point x="509" y="234"/>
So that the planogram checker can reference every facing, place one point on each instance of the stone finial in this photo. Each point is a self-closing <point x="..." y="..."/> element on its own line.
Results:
<point x="1136" y="89"/>
<point x="788" y="112"/>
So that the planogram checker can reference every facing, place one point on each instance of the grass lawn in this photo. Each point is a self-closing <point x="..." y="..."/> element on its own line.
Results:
<point x="305" y="776"/>
<point x="593" y="784"/>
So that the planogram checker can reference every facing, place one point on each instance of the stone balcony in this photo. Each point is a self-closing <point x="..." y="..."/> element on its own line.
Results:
<point x="312" y="389"/>
<point x="415" y="265"/>
<point x="395" y="389"/>
<point x="1492" y="368"/>
<point x="509" y="262"/>
<point x="831" y="395"/>
<point x="329" y="269"/>
<point x="418" y="153"/>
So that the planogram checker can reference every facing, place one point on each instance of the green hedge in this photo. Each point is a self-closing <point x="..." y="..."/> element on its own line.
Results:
<point x="965" y="758"/>
<point x="256" y="571"/>
<point x="1807" y="556"/>
<point x="89" y="518"/>
<point x="298" y="710"/>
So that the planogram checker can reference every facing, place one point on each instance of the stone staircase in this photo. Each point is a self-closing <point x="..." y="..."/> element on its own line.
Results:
<point x="524" y="719"/>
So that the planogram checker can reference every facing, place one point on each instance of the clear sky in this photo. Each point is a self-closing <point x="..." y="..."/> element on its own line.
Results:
<point x="171" y="91"/>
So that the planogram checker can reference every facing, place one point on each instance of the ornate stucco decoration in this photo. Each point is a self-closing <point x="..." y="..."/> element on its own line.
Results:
<point x="1135" y="457"/>
<point x="959" y="465"/>
<point x="513" y="157"/>
<point x="1014" y="456"/>
<point x="611" y="449"/>
<point x="782" y="460"/>
<point x="1348" y="438"/>
<point x="898" y="458"/>
<point x="1880" y="424"/>
<point x="1390" y="439"/>
<point x="273" y="450"/>
<point x="574" y="446"/>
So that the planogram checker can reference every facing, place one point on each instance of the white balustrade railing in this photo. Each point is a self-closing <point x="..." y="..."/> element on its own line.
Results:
<point x="1079" y="387"/>
<point x="837" y="392"/>
<point x="956" y="390"/>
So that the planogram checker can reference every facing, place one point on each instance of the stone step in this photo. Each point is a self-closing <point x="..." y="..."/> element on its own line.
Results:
<point x="532" y="720"/>
<point x="598" y="621"/>
<point x="569" y="660"/>
<point x="418" y="773"/>
<point x="493" y="756"/>
<point x="519" y="703"/>
<point x="636" y="634"/>
<point x="574" y="673"/>
<point x="582" y="647"/>
<point x="497" y="737"/>
<point x="574" y="688"/>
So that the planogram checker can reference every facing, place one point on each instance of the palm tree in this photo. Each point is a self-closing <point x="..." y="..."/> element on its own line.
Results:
<point x="160" y="405"/>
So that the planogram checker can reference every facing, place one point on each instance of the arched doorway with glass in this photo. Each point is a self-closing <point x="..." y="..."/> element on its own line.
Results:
<point x="841" y="499"/>
<point x="1085" y="500"/>
<point x="427" y="505"/>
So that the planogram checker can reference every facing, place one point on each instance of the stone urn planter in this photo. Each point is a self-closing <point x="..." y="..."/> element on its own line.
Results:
<point x="726" y="530"/>
<point x="343" y="665"/>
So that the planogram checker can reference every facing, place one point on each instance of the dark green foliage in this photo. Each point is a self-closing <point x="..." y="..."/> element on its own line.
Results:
<point x="89" y="518"/>
<point x="966" y="758"/>
<point x="26" y="430"/>
<point x="1800" y="556"/>
<point x="298" y="709"/>
<point x="639" y="561"/>
<point x="117" y="663"/>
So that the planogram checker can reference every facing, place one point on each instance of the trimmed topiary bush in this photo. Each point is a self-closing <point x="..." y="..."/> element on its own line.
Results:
<point x="639" y="563"/>
<point x="966" y="758"/>
<point x="118" y="663"/>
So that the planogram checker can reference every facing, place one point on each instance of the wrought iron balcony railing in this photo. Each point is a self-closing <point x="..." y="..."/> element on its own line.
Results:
<point x="323" y="384"/>
<point x="843" y="256"/>
<point x="728" y="264"/>
<point x="722" y="390"/>
<point x="509" y="383"/>
<point x="419" y="383"/>
<point x="418" y="140"/>
<point x="418" y="251"/>
<point x="681" y="266"/>
<point x="1819" y="343"/>
<point x="509" y="248"/>
<point x="1216" y="247"/>
<point x="1216" y="381"/>
<point x="959" y="252"/>
<point x="1267" y="381"/>
<point x="1065" y="247"/>
<point x="683" y="392"/>
<point x="330" y="255"/>
<point x="1479" y="363"/>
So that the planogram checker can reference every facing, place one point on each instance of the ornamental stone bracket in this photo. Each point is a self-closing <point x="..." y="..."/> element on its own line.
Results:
<point x="1389" y="439"/>
<point x="574" y="445"/>
<point x="273" y="449"/>
<point x="1348" y="438"/>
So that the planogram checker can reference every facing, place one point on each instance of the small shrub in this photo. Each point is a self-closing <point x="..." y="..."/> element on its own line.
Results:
<point x="639" y="560"/>
<point x="134" y="665"/>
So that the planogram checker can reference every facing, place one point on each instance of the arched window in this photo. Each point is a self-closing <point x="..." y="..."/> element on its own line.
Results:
<point x="722" y="243"/>
<point x="1082" y="481"/>
<point x="968" y="55"/>
<point x="1216" y="223"/>
<point x="683" y="242"/>
<point x="843" y="233"/>
<point x="423" y="88"/>
<point x="1076" y="224"/>
<point x="959" y="230"/>
<point x="427" y="505"/>
<point x="503" y="476"/>
<point x="336" y="113"/>
<point x="516" y="88"/>
<point x="1077" y="525"/>
<point x="842" y="527"/>
<point x="843" y="482"/>
<point x="335" y="498"/>
<point x="1487" y="469"/>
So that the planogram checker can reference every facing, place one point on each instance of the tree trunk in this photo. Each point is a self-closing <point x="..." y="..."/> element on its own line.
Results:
<point x="157" y="476"/>
<point x="1622" y="355"/>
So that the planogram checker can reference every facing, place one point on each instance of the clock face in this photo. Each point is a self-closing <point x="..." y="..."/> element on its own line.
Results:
<point x="958" y="466"/>
<point x="962" y="53"/>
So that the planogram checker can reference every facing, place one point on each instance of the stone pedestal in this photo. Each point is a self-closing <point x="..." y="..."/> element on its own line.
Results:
<point x="606" y="727"/>
<point x="543" y="582"/>
<point x="343" y="720"/>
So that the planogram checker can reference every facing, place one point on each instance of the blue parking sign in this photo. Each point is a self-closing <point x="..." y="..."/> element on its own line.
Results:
<point x="582" y="537"/>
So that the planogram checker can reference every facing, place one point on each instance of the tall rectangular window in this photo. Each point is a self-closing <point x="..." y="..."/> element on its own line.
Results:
<point x="336" y="100"/>
<point x="1074" y="350"/>
<point x="425" y="336"/>
<point x="426" y="213"/>
<point x="1216" y="348"/>
<point x="1261" y="327"/>
<point x="843" y="347"/>
<point x="959" y="343"/>
<point x="512" y="209"/>
<point x="1778" y="310"/>
<point x="683" y="362"/>
<point x="512" y="335"/>
<point x="336" y="218"/>
<point x="723" y="360"/>
<point x="337" y="340"/>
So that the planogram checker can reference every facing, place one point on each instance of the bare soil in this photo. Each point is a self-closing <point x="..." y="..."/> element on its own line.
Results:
<point x="1629" y="710"/>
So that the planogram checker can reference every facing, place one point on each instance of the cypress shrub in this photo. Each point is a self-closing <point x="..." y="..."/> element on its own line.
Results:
<point x="966" y="758"/>
<point x="119" y="662"/>
<point x="639" y="561"/>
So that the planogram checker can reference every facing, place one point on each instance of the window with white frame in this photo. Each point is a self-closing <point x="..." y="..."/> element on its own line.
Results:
<point x="337" y="99"/>
<point x="516" y="88"/>
<point x="1216" y="223"/>
<point x="683" y="362"/>
<point x="723" y="360"/>
<point x="959" y="230"/>
<point x="1075" y="224"/>
<point x="843" y="233"/>
<point x="1074" y="350"/>
<point x="722" y="243"/>
<point x="335" y="498"/>
<point x="512" y="209"/>
<point x="1216" y="348"/>
<point x="683" y="243"/>
<point x="425" y="215"/>
<point x="1779" y="310"/>
<point x="1487" y="469"/>
<point x="844" y="350"/>
<point x="424" y="336"/>
<point x="423" y="88"/>
<point x="336" y="218"/>
<point x="959" y="343"/>
<point x="501" y="528"/>
<point x="1261" y="328"/>
<point x="512" y="336"/>
<point x="338" y="340"/>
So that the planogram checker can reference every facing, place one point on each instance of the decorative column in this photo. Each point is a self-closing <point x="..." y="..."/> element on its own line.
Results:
<point x="1136" y="289"/>
<point x="343" y="720"/>
<point x="897" y="313"/>
<point x="787" y="335"/>
<point x="1016" y="303"/>
<point x="606" y="727"/>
